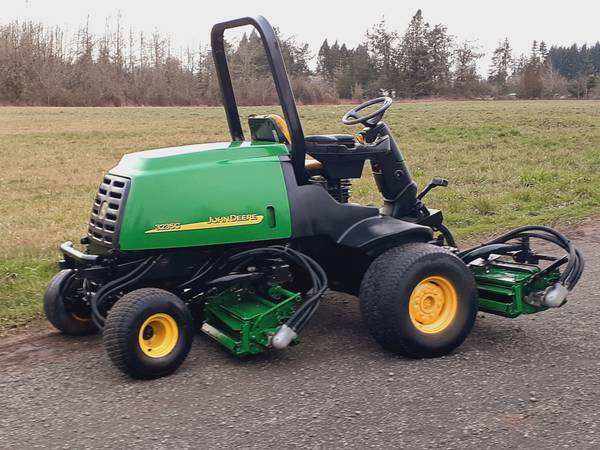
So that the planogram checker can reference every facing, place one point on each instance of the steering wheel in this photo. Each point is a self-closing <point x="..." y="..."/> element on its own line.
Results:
<point x="352" y="117"/>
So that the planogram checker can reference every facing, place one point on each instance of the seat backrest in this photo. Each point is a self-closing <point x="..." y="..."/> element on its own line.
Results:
<point x="269" y="127"/>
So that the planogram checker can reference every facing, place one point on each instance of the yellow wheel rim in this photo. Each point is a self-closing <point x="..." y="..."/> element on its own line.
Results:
<point x="433" y="304"/>
<point x="158" y="335"/>
<point x="79" y="318"/>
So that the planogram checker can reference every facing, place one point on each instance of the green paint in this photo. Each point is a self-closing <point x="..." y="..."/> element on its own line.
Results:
<point x="504" y="286"/>
<point x="243" y="321"/>
<point x="191" y="184"/>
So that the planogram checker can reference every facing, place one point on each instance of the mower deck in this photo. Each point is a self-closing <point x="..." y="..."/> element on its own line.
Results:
<point x="503" y="287"/>
<point x="244" y="322"/>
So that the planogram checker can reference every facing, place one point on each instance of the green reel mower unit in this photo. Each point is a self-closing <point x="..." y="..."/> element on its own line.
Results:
<point x="245" y="322"/>
<point x="512" y="279"/>
<point x="508" y="289"/>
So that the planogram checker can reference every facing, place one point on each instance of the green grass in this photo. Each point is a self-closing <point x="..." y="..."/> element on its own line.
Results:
<point x="509" y="163"/>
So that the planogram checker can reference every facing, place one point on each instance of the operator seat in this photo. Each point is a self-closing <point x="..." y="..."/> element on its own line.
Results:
<point x="272" y="127"/>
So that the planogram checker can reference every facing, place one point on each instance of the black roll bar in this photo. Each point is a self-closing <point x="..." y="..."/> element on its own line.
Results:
<point x="280" y="77"/>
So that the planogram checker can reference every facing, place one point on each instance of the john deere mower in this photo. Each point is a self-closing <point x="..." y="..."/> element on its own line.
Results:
<point x="243" y="238"/>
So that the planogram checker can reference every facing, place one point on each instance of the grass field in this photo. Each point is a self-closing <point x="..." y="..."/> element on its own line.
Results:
<point x="509" y="163"/>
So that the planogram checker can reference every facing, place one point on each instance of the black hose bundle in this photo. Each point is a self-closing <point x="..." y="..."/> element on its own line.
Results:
<point x="98" y="299"/>
<point x="518" y="239"/>
<point x="315" y="273"/>
<point x="232" y="263"/>
<point x="216" y="267"/>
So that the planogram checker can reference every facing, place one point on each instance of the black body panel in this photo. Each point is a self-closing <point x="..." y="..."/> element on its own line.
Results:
<point x="376" y="234"/>
<point x="342" y="158"/>
<point x="316" y="214"/>
<point x="392" y="175"/>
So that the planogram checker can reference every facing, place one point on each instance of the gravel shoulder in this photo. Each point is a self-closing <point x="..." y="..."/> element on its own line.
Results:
<point x="531" y="382"/>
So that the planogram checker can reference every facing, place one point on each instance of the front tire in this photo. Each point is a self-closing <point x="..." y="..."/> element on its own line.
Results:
<point x="65" y="307"/>
<point x="148" y="333"/>
<point x="419" y="300"/>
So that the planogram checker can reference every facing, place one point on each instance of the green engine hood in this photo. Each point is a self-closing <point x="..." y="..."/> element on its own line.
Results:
<point x="204" y="194"/>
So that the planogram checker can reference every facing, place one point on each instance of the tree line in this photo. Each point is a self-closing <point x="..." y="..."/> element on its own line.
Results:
<point x="40" y="65"/>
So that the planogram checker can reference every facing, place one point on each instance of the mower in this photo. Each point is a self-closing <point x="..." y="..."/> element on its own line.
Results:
<point x="241" y="239"/>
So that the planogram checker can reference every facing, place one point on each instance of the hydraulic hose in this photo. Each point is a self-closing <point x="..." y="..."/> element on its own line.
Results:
<point x="97" y="298"/>
<point x="314" y="272"/>
<point x="502" y="245"/>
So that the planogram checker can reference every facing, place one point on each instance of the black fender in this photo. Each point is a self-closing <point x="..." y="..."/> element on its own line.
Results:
<point x="374" y="235"/>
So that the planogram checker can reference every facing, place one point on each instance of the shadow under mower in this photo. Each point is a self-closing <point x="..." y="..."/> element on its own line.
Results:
<point x="244" y="237"/>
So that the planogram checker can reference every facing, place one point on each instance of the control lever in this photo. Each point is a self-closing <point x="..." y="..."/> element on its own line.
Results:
<point x="435" y="182"/>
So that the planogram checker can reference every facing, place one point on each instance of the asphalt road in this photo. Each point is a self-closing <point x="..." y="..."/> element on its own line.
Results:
<point x="532" y="382"/>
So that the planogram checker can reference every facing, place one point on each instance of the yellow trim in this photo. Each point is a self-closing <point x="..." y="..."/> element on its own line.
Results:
<point x="232" y="220"/>
<point x="164" y="334"/>
<point x="310" y="164"/>
<point x="281" y="123"/>
<point x="433" y="304"/>
<point x="79" y="318"/>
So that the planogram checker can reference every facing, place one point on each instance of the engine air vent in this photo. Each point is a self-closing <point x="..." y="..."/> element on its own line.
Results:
<point x="107" y="210"/>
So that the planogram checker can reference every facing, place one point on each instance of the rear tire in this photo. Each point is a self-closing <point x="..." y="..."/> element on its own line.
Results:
<point x="64" y="305"/>
<point x="419" y="300"/>
<point x="148" y="333"/>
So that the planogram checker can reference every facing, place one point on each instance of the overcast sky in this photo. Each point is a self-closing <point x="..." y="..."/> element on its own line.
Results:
<point x="189" y="22"/>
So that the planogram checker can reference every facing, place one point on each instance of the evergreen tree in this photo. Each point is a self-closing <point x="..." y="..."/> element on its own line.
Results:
<point x="501" y="63"/>
<point x="586" y="81"/>
<point x="594" y="53"/>
<point x="415" y="62"/>
<point x="323" y="61"/>
<point x="242" y="61"/>
<point x="534" y="50"/>
<point x="567" y="60"/>
<point x="334" y="58"/>
<point x="363" y="76"/>
<point x="465" y="77"/>
<point x="296" y="56"/>
<point x="440" y="51"/>
<point x="531" y="82"/>
<point x="382" y="47"/>
<point x="543" y="52"/>
<point x="344" y="73"/>
<point x="344" y="57"/>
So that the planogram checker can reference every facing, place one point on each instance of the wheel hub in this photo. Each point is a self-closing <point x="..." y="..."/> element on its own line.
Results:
<point x="158" y="335"/>
<point x="433" y="304"/>
<point x="148" y="332"/>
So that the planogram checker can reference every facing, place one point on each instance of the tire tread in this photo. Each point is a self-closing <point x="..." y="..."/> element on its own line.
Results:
<point x="57" y="314"/>
<point x="117" y="334"/>
<point x="377" y="299"/>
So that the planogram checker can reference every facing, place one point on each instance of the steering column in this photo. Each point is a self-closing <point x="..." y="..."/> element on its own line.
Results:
<point x="390" y="171"/>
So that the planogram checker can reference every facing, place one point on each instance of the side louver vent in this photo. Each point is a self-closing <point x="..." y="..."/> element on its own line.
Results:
<point x="108" y="210"/>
